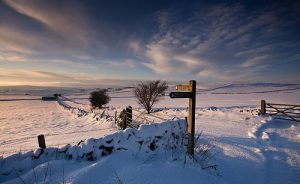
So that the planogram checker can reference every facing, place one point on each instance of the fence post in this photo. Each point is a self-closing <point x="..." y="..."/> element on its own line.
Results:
<point x="41" y="141"/>
<point x="115" y="117"/>
<point x="263" y="107"/>
<point x="124" y="122"/>
<point x="128" y="115"/>
<point x="123" y="116"/>
<point x="191" y="122"/>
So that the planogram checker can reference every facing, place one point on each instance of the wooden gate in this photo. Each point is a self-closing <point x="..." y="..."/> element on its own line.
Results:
<point x="281" y="111"/>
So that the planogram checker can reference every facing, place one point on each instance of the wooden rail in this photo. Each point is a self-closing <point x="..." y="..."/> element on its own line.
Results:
<point x="281" y="111"/>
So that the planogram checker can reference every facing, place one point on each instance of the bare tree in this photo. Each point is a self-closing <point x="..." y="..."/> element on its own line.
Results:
<point x="148" y="93"/>
<point x="99" y="98"/>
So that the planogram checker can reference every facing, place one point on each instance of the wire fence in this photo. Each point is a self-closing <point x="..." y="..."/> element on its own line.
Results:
<point x="135" y="118"/>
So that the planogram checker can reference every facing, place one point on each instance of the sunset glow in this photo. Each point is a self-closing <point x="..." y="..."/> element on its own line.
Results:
<point x="72" y="43"/>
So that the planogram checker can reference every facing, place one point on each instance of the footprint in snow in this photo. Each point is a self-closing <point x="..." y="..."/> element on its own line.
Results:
<point x="265" y="136"/>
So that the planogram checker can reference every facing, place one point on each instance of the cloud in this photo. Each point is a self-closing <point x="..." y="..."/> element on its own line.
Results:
<point x="163" y="19"/>
<point x="16" y="40"/>
<point x="243" y="40"/>
<point x="29" y="77"/>
<point x="222" y="41"/>
<point x="127" y="63"/>
<point x="54" y="29"/>
<point x="59" y="16"/>
<point x="204" y="40"/>
<point x="34" y="75"/>
<point x="160" y="58"/>
<point x="182" y="45"/>
<point x="11" y="56"/>
<point x="253" y="52"/>
<point x="166" y="60"/>
<point x="207" y="72"/>
<point x="59" y="30"/>
<point x="295" y="57"/>
<point x="134" y="45"/>
<point x="45" y="78"/>
<point x="256" y="61"/>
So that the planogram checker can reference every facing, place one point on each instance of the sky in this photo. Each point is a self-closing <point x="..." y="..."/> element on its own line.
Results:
<point x="83" y="43"/>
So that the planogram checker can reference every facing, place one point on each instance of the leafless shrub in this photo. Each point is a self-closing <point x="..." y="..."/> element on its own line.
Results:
<point x="205" y="154"/>
<point x="148" y="93"/>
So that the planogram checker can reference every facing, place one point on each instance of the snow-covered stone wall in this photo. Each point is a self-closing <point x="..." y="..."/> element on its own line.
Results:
<point x="148" y="139"/>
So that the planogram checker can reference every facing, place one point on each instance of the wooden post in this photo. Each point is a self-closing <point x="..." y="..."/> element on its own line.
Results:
<point x="124" y="119"/>
<point x="115" y="117"/>
<point x="41" y="141"/>
<point x="128" y="115"/>
<point x="191" y="95"/>
<point x="191" y="121"/>
<point x="123" y="116"/>
<point x="263" y="107"/>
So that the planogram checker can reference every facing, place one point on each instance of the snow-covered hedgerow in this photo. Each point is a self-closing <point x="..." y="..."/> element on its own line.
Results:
<point x="80" y="112"/>
<point x="77" y="111"/>
<point x="165" y="138"/>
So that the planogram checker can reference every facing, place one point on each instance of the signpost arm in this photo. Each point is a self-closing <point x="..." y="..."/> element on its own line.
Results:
<point x="191" y="121"/>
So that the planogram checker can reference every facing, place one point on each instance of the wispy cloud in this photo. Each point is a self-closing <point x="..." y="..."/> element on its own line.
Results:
<point x="219" y="41"/>
<point x="11" y="56"/>
<point x="68" y="21"/>
<point x="253" y="52"/>
<point x="28" y="77"/>
<point x="45" y="78"/>
<point x="134" y="45"/>
<point x="241" y="41"/>
<point x="54" y="29"/>
<point x="124" y="63"/>
<point x="202" y="40"/>
<point x="256" y="61"/>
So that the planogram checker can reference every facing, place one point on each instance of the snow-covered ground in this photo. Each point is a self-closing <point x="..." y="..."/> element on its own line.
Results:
<point x="23" y="121"/>
<point x="246" y="148"/>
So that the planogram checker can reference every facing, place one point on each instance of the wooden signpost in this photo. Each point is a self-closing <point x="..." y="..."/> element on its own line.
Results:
<point x="191" y="94"/>
<point x="180" y="94"/>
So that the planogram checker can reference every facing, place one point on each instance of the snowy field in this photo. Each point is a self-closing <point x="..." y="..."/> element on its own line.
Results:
<point x="245" y="147"/>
